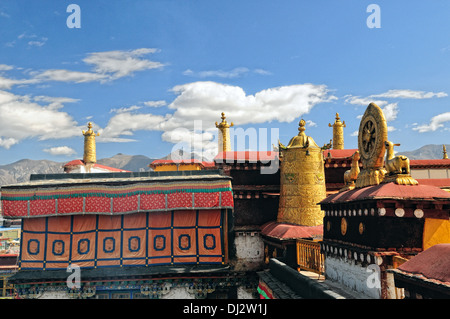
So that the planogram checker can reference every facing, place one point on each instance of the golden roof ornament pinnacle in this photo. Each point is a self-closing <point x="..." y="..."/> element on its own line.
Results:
<point x="444" y="151"/>
<point x="89" y="155"/>
<point x="224" y="134"/>
<point x="301" y="139"/>
<point x="301" y="126"/>
<point x="338" y="132"/>
<point x="224" y="123"/>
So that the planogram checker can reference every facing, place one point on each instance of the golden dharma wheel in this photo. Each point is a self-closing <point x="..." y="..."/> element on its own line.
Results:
<point x="372" y="136"/>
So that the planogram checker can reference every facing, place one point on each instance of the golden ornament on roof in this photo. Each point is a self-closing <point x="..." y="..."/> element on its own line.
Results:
<point x="338" y="133"/>
<point x="397" y="167"/>
<point x="351" y="175"/>
<point x="302" y="140"/>
<point x="89" y="155"/>
<point x="302" y="181"/>
<point x="224" y="134"/>
<point x="371" y="138"/>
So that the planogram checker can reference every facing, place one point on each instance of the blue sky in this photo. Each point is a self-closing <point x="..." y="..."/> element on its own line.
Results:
<point x="155" y="75"/>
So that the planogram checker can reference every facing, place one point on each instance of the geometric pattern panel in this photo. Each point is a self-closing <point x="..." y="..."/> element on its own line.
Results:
<point x="140" y="239"/>
<point x="115" y="199"/>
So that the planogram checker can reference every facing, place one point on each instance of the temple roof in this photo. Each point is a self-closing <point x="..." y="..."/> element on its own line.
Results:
<point x="335" y="153"/>
<point x="285" y="231"/>
<point x="160" y="162"/>
<point x="437" y="182"/>
<point x="389" y="191"/>
<point x="95" y="165"/>
<point x="246" y="156"/>
<point x="433" y="264"/>
<point x="430" y="163"/>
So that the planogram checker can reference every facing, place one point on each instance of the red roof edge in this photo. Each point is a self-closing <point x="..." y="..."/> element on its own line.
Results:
<point x="81" y="162"/>
<point x="247" y="156"/>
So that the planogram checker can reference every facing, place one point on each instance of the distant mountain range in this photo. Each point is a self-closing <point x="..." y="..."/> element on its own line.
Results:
<point x="21" y="170"/>
<point x="430" y="151"/>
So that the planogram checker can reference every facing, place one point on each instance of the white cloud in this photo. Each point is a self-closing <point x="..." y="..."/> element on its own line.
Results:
<point x="60" y="150"/>
<point x="311" y="123"/>
<point x="21" y="118"/>
<point x="155" y="103"/>
<point x="391" y="129"/>
<point x="61" y="75"/>
<point x="203" y="102"/>
<point x="118" y="64"/>
<point x="233" y="73"/>
<point x="5" y="67"/>
<point x="203" y="143"/>
<point x="33" y="40"/>
<point x="125" y="109"/>
<point x="198" y="106"/>
<point x="38" y="43"/>
<point x="107" y="66"/>
<point x="206" y="100"/>
<point x="126" y="123"/>
<point x="236" y="72"/>
<point x="54" y="102"/>
<point x="6" y="83"/>
<point x="390" y="111"/>
<point x="262" y="72"/>
<point x="8" y="142"/>
<point x="357" y="100"/>
<point x="409" y="94"/>
<point x="436" y="122"/>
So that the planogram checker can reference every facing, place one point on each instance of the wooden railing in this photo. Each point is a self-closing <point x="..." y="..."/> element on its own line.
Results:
<point x="7" y="290"/>
<point x="309" y="256"/>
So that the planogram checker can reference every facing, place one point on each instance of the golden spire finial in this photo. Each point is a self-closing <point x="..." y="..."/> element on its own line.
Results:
<point x="89" y="155"/>
<point x="301" y="127"/>
<point x="338" y="133"/>
<point x="302" y="140"/>
<point x="444" y="150"/>
<point x="224" y="123"/>
<point x="224" y="134"/>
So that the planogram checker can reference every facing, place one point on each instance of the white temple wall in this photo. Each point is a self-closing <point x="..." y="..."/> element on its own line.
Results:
<point x="352" y="275"/>
<point x="249" y="250"/>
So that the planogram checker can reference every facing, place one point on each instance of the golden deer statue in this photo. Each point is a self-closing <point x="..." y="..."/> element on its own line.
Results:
<point x="351" y="175"/>
<point x="395" y="164"/>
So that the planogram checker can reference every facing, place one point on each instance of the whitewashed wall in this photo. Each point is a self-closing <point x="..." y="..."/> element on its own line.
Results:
<point x="352" y="275"/>
<point x="249" y="251"/>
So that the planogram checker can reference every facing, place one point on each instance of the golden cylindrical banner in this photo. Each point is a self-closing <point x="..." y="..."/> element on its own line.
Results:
<point x="302" y="182"/>
<point x="90" y="152"/>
